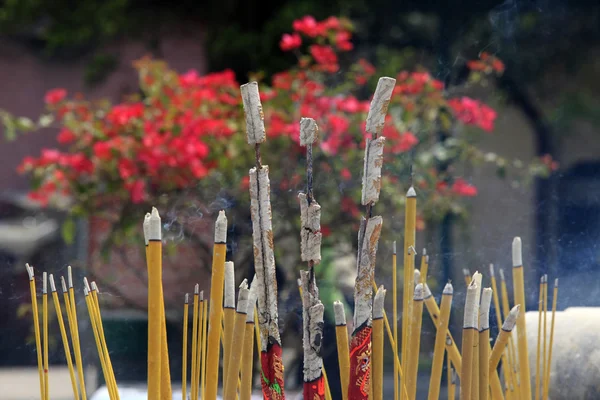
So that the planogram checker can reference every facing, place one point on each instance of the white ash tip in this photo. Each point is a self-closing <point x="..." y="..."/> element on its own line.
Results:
<point x="64" y="284"/>
<point x="244" y="284"/>
<point x="517" y="256"/>
<point x="253" y="113"/>
<point x="44" y="282"/>
<point x="556" y="282"/>
<point x="470" y="314"/>
<point x="501" y="272"/>
<point x="417" y="276"/>
<point x="146" y="227"/>
<point x="86" y="284"/>
<point x="70" y="276"/>
<point x="154" y="231"/>
<point x="52" y="286"/>
<point x="378" y="302"/>
<point x="221" y="228"/>
<point x="424" y="251"/>
<point x="448" y="289"/>
<point x="196" y="289"/>
<point x="492" y="272"/>
<point x="229" y="290"/>
<point x="394" y="247"/>
<point x="484" y="309"/>
<point x="419" y="292"/>
<point x="201" y="295"/>
<point x="340" y="313"/>
<point x="186" y="298"/>
<point x="94" y="286"/>
<point x="542" y="280"/>
<point x="29" y="271"/>
<point x="466" y="272"/>
<point x="309" y="131"/>
<point x="243" y="295"/>
<point x="545" y="278"/>
<point x="426" y="259"/>
<point x="411" y="192"/>
<point x="511" y="318"/>
<point x="428" y="293"/>
<point x="86" y="291"/>
<point x="379" y="105"/>
<point x="299" y="282"/>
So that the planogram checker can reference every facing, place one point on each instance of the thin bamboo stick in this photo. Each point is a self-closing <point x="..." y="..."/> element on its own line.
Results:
<point x="202" y="345"/>
<point x="195" y="314"/>
<point x="248" y="349"/>
<point x="236" y="344"/>
<point x="484" y="340"/>
<point x="440" y="341"/>
<point x="519" y="288"/>
<point x="544" y="353"/>
<point x="469" y="329"/>
<point x="200" y="333"/>
<point x="415" y="333"/>
<point x="184" y="357"/>
<point x="395" y="315"/>
<point x="550" y="342"/>
<point x="75" y="335"/>
<point x="36" y="328"/>
<point x="539" y="341"/>
<point x="377" y="368"/>
<point x="65" y="339"/>
<point x="45" y="332"/>
<point x="502" y="340"/>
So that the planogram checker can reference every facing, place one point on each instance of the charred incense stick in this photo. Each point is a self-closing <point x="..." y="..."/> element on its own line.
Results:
<point x="75" y="335"/>
<point x="341" y="336"/>
<point x="550" y="342"/>
<point x="248" y="348"/>
<point x="185" y="347"/>
<point x="236" y="345"/>
<point x="228" y="316"/>
<point x="213" y="348"/>
<point x="415" y="343"/>
<point x="484" y="340"/>
<point x="469" y="329"/>
<point x="36" y="328"/>
<point x="519" y="288"/>
<point x="264" y="258"/>
<point x="440" y="340"/>
<point x="378" y="340"/>
<point x="312" y="313"/>
<point x="63" y="334"/>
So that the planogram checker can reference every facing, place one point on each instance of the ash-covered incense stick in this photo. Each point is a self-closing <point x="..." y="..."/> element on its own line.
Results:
<point x="502" y="340"/>
<point x="415" y="334"/>
<point x="248" y="348"/>
<point x="378" y="339"/>
<point x="45" y="331"/>
<point x="519" y="295"/>
<point x="237" y="341"/>
<point x="228" y="316"/>
<point x="312" y="315"/>
<point x="341" y="336"/>
<point x="264" y="258"/>
<point x="74" y="326"/>
<point x="484" y="340"/>
<point x="469" y="330"/>
<point x="440" y="339"/>
<point x="477" y="278"/>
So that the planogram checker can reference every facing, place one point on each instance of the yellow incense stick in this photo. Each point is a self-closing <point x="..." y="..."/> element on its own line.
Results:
<point x="394" y="314"/>
<point x="424" y="266"/>
<point x="519" y="293"/>
<point x="507" y="366"/>
<point x="195" y="313"/>
<point x="237" y="340"/>
<point x="484" y="346"/>
<point x="451" y="380"/>
<point x="185" y="348"/>
<point x="45" y="332"/>
<point x="544" y="353"/>
<point x="203" y="347"/>
<point x="213" y="348"/>
<point x="550" y="342"/>
<point x="410" y="221"/>
<point x="248" y="351"/>
<point x="415" y="344"/>
<point x="377" y="345"/>
<point x="74" y="326"/>
<point x="502" y="340"/>
<point x="469" y="329"/>
<point x="165" y="369"/>
<point x="198" y="355"/>
<point x="440" y="342"/>
<point x="153" y="236"/>
<point x="36" y="328"/>
<point x="512" y="359"/>
<point x="65" y="339"/>
<point x="539" y="341"/>
<point x="228" y="323"/>
<point x="341" y="338"/>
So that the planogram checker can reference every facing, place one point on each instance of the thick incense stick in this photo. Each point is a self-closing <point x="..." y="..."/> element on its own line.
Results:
<point x="484" y="340"/>
<point x="65" y="340"/>
<point x="440" y="341"/>
<point x="264" y="257"/>
<point x="153" y="237"/>
<point x="538" y="352"/>
<point x="237" y="341"/>
<point x="216" y="309"/>
<point x="36" y="328"/>
<point x="228" y="316"/>
<point x="519" y="288"/>
<point x="378" y="339"/>
<point x="341" y="336"/>
<point x="195" y="313"/>
<point x="469" y="330"/>
<point x="75" y="334"/>
<point x="312" y="313"/>
<point x="415" y="334"/>
<point x="248" y="349"/>
<point x="550" y="342"/>
<point x="184" y="357"/>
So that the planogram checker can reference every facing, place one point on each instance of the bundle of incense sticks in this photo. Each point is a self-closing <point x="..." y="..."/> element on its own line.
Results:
<point x="237" y="327"/>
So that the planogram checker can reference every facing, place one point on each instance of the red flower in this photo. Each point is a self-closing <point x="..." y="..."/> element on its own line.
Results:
<point x="332" y="23"/>
<point x="27" y="164"/>
<point x="290" y="42"/>
<point x="473" y="112"/>
<point x="137" y="191"/>
<point x="342" y="41"/>
<point x="103" y="150"/>
<point x="309" y="26"/>
<point x="345" y="174"/>
<point x="325" y="56"/>
<point x="127" y="168"/>
<point x="55" y="96"/>
<point x="407" y="141"/>
<point x="65" y="136"/>
<point x="462" y="188"/>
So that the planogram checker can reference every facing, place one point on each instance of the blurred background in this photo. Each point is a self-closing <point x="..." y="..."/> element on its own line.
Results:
<point x="110" y="107"/>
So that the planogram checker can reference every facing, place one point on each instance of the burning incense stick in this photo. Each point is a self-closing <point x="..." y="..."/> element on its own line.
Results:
<point x="45" y="331"/>
<point x="195" y="313"/>
<point x="469" y="329"/>
<point x="550" y="342"/>
<point x="477" y="277"/>
<point x="228" y="316"/>
<point x="185" y="347"/>
<point x="440" y="340"/>
<point x="248" y="348"/>
<point x="36" y="328"/>
<point x="75" y="334"/>
<point x="512" y="356"/>
<point x="484" y="343"/>
<point x="236" y="345"/>
<point x="415" y="344"/>
<point x="197" y="357"/>
<point x="213" y="348"/>
<point x="341" y="336"/>
<point x="63" y="334"/>
<point x="264" y="258"/>
<point x="502" y="340"/>
<point x="539" y="340"/>
<point x="377" y="378"/>
<point x="519" y="289"/>
<point x="312" y="313"/>
<point x="153" y="238"/>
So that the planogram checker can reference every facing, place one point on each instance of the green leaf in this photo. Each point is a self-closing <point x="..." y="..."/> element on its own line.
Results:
<point x="68" y="231"/>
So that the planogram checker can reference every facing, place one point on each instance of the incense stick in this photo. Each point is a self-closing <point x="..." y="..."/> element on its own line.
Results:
<point x="415" y="345"/>
<point x="45" y="331"/>
<point x="312" y="337"/>
<point x="203" y="352"/>
<point x="236" y="343"/>
<point x="228" y="316"/>
<point x="377" y="369"/>
<point x="512" y="356"/>
<point x="550" y="342"/>
<point x="544" y="354"/>
<point x="195" y="313"/>
<point x="539" y="341"/>
<point x="197" y="357"/>
<point x="477" y="277"/>
<point x="341" y="336"/>
<point x="440" y="341"/>
<point x="248" y="349"/>
<point x="519" y="289"/>
<point x="469" y="329"/>
<point x="264" y="258"/>
<point x="75" y="335"/>
<point x="484" y="343"/>
<point x="395" y="315"/>
<point x="502" y="340"/>
<point x="424" y="266"/>
<point x="185" y="347"/>
<point x="36" y="328"/>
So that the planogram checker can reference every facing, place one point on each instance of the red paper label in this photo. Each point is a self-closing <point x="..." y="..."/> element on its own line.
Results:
<point x="315" y="390"/>
<point x="272" y="373"/>
<point x="360" y="365"/>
